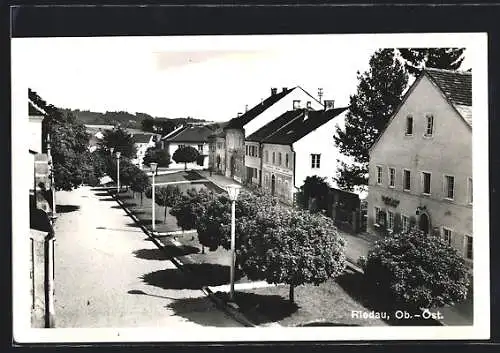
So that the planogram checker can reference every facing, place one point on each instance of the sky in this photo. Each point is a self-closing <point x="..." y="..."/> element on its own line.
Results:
<point x="206" y="77"/>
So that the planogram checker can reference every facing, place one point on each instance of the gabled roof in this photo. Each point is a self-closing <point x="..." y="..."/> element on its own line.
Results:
<point x="293" y="125"/>
<point x="242" y="120"/>
<point x="456" y="87"/>
<point x="34" y="110"/>
<point x="189" y="133"/>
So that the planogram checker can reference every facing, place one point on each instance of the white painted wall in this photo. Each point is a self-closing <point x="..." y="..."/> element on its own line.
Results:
<point x="319" y="141"/>
<point x="35" y="130"/>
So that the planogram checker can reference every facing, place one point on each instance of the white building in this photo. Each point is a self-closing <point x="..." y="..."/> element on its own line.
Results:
<point x="297" y="144"/>
<point x="261" y="114"/>
<point x="142" y="142"/>
<point x="194" y="135"/>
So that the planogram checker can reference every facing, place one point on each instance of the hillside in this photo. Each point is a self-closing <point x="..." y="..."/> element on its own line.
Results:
<point x="125" y="119"/>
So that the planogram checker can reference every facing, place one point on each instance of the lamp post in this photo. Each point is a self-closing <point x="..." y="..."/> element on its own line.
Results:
<point x="118" y="154"/>
<point x="233" y="191"/>
<point x="154" y="167"/>
<point x="52" y="185"/>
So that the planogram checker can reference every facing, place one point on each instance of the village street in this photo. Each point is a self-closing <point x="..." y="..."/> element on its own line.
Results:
<point x="100" y="260"/>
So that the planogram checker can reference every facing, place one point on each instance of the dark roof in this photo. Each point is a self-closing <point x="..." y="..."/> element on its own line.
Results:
<point x="191" y="134"/>
<point x="242" y="120"/>
<point x="142" y="138"/>
<point x="34" y="110"/>
<point x="456" y="85"/>
<point x="292" y="125"/>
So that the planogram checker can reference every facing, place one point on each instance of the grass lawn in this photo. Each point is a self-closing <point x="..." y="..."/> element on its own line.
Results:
<point x="178" y="176"/>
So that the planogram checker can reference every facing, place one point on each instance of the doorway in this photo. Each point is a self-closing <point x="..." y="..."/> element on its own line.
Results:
<point x="424" y="223"/>
<point x="273" y="184"/>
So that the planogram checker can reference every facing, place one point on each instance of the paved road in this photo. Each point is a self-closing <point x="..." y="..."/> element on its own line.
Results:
<point x="107" y="274"/>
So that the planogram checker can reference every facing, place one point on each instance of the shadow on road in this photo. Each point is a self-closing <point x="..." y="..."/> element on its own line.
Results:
<point x="126" y="204"/>
<point x="66" y="208"/>
<point x="140" y="292"/>
<point x="200" y="310"/>
<point x="193" y="276"/>
<point x="167" y="253"/>
<point x="101" y="194"/>
<point x="107" y="199"/>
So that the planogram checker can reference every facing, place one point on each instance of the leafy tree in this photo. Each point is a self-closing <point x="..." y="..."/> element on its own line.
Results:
<point x="120" y="140"/>
<point x="69" y="140"/>
<point x="167" y="197"/>
<point x="413" y="270"/>
<point x="185" y="155"/>
<point x="165" y="126"/>
<point x="147" y="124"/>
<point x="158" y="155"/>
<point x="415" y="59"/>
<point x="291" y="246"/>
<point x="316" y="188"/>
<point x="189" y="209"/>
<point x="140" y="182"/>
<point x="378" y="95"/>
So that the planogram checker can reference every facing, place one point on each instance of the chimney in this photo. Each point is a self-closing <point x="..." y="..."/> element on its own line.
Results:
<point x="239" y="114"/>
<point x="296" y="104"/>
<point x="246" y="108"/>
<point x="285" y="89"/>
<point x="274" y="91"/>
<point x="329" y="104"/>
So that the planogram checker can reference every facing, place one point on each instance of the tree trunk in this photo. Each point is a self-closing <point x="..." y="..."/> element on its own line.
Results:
<point x="202" y="249"/>
<point x="165" y="218"/>
<point x="185" y="165"/>
<point x="141" y="199"/>
<point x="291" y="294"/>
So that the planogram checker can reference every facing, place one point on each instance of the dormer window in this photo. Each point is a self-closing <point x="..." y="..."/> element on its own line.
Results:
<point x="296" y="104"/>
<point x="409" y="125"/>
<point x="429" y="129"/>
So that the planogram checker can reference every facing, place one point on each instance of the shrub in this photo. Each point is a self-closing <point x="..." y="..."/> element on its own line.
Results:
<point x="416" y="271"/>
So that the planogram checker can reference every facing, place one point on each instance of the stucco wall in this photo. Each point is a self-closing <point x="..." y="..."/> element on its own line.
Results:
<point x="35" y="131"/>
<point x="235" y="148"/>
<point x="253" y="161"/>
<point x="283" y="175"/>
<point x="319" y="141"/>
<point x="448" y="151"/>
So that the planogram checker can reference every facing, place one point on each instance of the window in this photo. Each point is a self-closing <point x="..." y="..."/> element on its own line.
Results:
<point x="308" y="104"/>
<point x="200" y="148"/>
<point x="296" y="104"/>
<point x="286" y="160"/>
<point x="469" y="190"/>
<point x="315" y="161"/>
<point x="426" y="183"/>
<point x="390" y="220"/>
<point x="254" y="151"/>
<point x="468" y="247"/>
<point x="378" y="216"/>
<point x="274" y="158"/>
<point x="379" y="175"/>
<point x="406" y="180"/>
<point x="182" y="146"/>
<point x="392" y="177"/>
<point x="447" y="235"/>
<point x="279" y="158"/>
<point x="409" y="125"/>
<point x="449" y="186"/>
<point x="430" y="125"/>
<point x="266" y="155"/>
<point x="405" y="223"/>
<point x="246" y="150"/>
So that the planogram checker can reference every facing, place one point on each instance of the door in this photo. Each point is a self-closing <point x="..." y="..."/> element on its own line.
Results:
<point x="232" y="166"/>
<point x="273" y="184"/>
<point x="424" y="223"/>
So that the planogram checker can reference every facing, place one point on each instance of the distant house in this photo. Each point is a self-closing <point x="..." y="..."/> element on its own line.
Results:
<point x="295" y="145"/>
<point x="142" y="142"/>
<point x="217" y="149"/>
<point x="194" y="135"/>
<point x="250" y="121"/>
<point x="421" y="165"/>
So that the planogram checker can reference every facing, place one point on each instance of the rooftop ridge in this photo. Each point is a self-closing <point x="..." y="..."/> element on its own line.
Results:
<point x="447" y="70"/>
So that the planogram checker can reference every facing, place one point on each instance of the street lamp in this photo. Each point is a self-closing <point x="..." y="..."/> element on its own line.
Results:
<point x="233" y="191"/>
<point x="118" y="154"/>
<point x="154" y="167"/>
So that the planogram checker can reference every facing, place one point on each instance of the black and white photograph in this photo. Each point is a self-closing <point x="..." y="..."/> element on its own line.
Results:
<point x="196" y="188"/>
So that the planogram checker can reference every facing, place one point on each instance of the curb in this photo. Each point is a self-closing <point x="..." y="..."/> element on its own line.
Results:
<point x="235" y="314"/>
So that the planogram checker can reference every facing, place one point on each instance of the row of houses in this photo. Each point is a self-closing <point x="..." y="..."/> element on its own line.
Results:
<point x="420" y="169"/>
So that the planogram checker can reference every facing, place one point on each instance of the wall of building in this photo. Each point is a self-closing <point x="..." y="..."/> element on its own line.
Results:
<point x="448" y="151"/>
<point x="173" y="146"/>
<point x="319" y="141"/>
<point x="220" y="154"/>
<point x="283" y="175"/>
<point x="235" y="151"/>
<point x="35" y="131"/>
<point x="252" y="162"/>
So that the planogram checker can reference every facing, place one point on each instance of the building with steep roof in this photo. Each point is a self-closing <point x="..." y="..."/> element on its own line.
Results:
<point x="420" y="169"/>
<point x="238" y="128"/>
<point x="143" y="141"/>
<point x="297" y="144"/>
<point x="194" y="135"/>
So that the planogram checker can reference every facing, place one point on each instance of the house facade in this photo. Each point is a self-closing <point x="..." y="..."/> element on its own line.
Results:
<point x="196" y="136"/>
<point x="261" y="114"/>
<point x="297" y="144"/>
<point x="143" y="141"/>
<point x="420" y="169"/>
